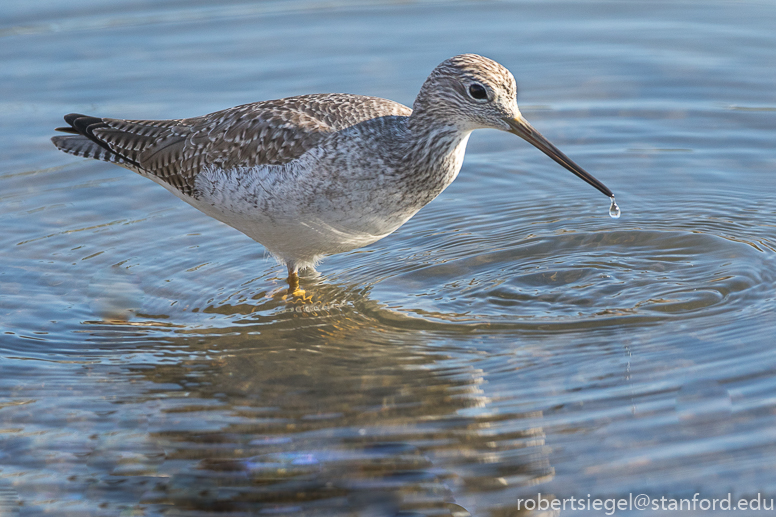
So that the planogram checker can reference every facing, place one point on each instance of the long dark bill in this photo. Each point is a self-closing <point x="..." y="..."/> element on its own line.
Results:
<point x="524" y="130"/>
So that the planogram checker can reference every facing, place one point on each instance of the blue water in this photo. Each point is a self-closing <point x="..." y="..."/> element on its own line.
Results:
<point x="511" y="339"/>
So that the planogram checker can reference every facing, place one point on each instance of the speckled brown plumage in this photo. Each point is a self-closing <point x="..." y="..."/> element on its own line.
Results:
<point x="271" y="132"/>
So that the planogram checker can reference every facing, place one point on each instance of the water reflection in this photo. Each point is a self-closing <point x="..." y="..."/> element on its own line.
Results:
<point x="286" y="410"/>
<point x="330" y="414"/>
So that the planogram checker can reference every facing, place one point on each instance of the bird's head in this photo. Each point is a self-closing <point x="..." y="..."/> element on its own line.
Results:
<point x="473" y="92"/>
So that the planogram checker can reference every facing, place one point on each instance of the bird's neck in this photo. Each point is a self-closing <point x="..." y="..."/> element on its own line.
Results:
<point x="429" y="155"/>
<point x="434" y="143"/>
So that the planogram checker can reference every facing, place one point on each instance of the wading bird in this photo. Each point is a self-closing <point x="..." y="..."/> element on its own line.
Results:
<point x="314" y="175"/>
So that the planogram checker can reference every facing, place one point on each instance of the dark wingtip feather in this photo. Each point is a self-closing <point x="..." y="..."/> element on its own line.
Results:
<point x="71" y="117"/>
<point x="79" y="124"/>
<point x="82" y="124"/>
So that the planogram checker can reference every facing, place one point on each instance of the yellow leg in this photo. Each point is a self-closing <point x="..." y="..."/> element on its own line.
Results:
<point x="294" y="292"/>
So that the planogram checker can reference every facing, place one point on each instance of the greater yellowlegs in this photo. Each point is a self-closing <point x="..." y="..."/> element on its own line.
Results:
<point x="315" y="175"/>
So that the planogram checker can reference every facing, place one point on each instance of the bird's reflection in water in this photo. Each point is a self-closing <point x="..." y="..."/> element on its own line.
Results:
<point x="323" y="407"/>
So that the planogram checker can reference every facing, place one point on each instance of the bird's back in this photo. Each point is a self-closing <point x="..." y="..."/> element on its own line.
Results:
<point x="263" y="133"/>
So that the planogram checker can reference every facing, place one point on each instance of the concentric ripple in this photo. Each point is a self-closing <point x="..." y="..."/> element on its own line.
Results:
<point x="587" y="276"/>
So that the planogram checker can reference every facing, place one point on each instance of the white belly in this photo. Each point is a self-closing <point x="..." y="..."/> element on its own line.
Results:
<point x="295" y="224"/>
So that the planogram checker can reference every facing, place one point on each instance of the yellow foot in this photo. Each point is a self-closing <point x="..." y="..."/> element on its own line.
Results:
<point x="295" y="294"/>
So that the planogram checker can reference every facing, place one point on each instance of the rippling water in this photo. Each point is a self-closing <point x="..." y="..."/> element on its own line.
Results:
<point x="510" y="339"/>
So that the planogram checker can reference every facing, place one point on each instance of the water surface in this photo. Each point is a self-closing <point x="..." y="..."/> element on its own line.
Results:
<point x="510" y="339"/>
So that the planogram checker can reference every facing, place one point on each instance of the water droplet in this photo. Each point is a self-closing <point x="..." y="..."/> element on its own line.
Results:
<point x="614" y="210"/>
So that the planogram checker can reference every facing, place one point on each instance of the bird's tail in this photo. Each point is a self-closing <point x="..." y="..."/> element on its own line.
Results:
<point x="81" y="140"/>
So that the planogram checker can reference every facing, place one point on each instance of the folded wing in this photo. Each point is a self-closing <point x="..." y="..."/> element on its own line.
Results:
<point x="263" y="133"/>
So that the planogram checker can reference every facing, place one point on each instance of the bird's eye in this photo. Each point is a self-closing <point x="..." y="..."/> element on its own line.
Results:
<point x="478" y="91"/>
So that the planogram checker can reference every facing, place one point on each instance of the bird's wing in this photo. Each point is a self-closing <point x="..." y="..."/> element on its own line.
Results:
<point x="263" y="133"/>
